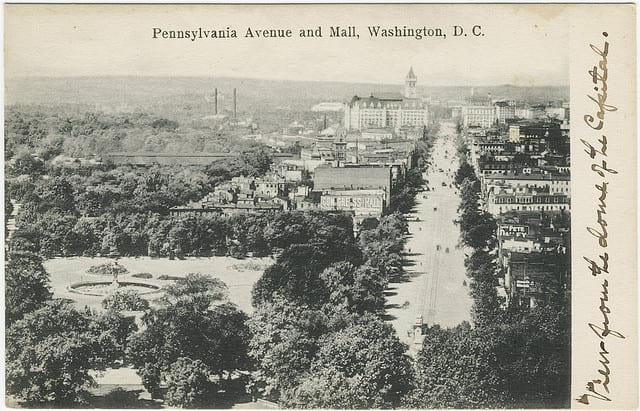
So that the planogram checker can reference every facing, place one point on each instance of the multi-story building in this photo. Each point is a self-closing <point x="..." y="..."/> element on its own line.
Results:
<point x="362" y="203"/>
<point x="353" y="178"/>
<point x="377" y="134"/>
<point x="540" y="136"/>
<point x="522" y="181"/>
<point x="503" y="200"/>
<point x="269" y="186"/>
<point x="478" y="112"/>
<point x="478" y="116"/>
<point x="533" y="277"/>
<point x="524" y="113"/>
<point x="505" y="111"/>
<point x="525" y="130"/>
<point x="385" y="110"/>
<point x="242" y="203"/>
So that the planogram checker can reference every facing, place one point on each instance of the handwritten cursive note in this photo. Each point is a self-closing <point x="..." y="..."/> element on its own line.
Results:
<point x="599" y="266"/>
<point x="599" y="75"/>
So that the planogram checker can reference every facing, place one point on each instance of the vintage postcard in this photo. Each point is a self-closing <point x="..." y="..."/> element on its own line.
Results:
<point x="328" y="206"/>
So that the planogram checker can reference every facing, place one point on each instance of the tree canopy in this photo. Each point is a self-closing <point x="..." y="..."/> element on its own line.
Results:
<point x="215" y="334"/>
<point x="51" y="350"/>
<point x="361" y="366"/>
<point x="188" y="383"/>
<point x="284" y="342"/>
<point x="26" y="285"/>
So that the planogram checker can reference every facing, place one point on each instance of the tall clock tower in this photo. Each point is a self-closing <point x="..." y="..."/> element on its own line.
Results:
<point x="410" y="84"/>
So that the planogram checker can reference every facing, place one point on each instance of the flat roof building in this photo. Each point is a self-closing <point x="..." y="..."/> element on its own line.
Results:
<point x="352" y="178"/>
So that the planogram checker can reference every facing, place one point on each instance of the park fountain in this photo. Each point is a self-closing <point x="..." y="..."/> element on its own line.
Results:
<point x="105" y="288"/>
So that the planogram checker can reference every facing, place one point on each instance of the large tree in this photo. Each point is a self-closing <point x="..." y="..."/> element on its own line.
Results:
<point x="25" y="163"/>
<point x="518" y="360"/>
<point x="361" y="366"/>
<point x="456" y="369"/>
<point x="26" y="285"/>
<point x="296" y="273"/>
<point x="50" y="352"/>
<point x="284" y="341"/>
<point x="247" y="235"/>
<point x="195" y="328"/>
<point x="533" y="348"/>
<point x="355" y="289"/>
<point x="188" y="383"/>
<point x="465" y="171"/>
<point x="112" y="331"/>
<point x="55" y="193"/>
<point x="383" y="245"/>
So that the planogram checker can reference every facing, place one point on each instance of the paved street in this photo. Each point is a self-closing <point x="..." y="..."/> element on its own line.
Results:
<point x="436" y="287"/>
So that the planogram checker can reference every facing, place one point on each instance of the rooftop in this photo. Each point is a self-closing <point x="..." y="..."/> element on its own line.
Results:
<point x="509" y="175"/>
<point x="411" y="75"/>
<point x="390" y="100"/>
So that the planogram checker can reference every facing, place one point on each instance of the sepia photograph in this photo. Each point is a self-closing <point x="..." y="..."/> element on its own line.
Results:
<point x="335" y="206"/>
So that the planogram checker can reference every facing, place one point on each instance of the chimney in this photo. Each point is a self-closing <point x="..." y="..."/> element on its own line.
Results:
<point x="325" y="122"/>
<point x="235" y="104"/>
<point x="357" y="151"/>
<point x="215" y="101"/>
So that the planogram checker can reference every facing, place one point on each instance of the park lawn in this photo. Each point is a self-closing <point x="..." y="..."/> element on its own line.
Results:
<point x="239" y="274"/>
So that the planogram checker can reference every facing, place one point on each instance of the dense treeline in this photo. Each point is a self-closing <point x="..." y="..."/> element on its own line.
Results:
<point x="151" y="234"/>
<point x="318" y="340"/>
<point x="47" y="133"/>
<point x="511" y="357"/>
<point x="101" y="209"/>
<point x="123" y="210"/>
<point x="404" y="193"/>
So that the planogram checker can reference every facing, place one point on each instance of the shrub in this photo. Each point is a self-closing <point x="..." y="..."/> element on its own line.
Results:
<point x="169" y="277"/>
<point x="188" y="383"/>
<point x="125" y="301"/>
<point x="112" y="269"/>
<point x="249" y="266"/>
<point x="145" y="276"/>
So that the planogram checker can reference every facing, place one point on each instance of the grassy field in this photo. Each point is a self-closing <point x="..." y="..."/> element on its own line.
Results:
<point x="239" y="275"/>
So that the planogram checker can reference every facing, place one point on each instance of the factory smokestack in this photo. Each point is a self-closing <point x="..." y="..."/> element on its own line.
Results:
<point x="235" y="104"/>
<point x="215" y="101"/>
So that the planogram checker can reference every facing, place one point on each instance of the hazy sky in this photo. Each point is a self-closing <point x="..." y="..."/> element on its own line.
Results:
<point x="522" y="45"/>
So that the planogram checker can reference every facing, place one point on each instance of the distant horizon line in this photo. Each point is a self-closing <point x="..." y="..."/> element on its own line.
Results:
<point x="24" y="77"/>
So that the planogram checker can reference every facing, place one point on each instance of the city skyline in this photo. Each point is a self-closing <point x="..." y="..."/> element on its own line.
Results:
<point x="387" y="82"/>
